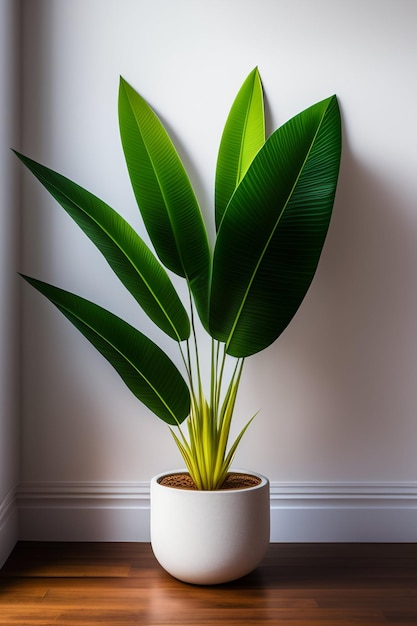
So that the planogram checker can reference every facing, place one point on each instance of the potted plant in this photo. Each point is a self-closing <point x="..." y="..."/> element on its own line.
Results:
<point x="273" y="202"/>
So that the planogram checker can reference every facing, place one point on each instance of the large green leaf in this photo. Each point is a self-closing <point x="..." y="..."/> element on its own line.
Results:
<point x="164" y="194"/>
<point x="243" y="136"/>
<point x="145" y="369"/>
<point x="272" y="233"/>
<point x="126" y="253"/>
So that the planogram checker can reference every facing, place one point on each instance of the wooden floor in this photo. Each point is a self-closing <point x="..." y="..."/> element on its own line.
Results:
<point x="120" y="584"/>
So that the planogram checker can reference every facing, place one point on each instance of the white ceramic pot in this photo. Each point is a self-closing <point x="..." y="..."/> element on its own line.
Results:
<point x="210" y="537"/>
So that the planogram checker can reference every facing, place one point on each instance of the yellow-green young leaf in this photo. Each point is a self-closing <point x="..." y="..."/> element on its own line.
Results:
<point x="273" y="230"/>
<point x="243" y="136"/>
<point x="230" y="456"/>
<point x="225" y="419"/>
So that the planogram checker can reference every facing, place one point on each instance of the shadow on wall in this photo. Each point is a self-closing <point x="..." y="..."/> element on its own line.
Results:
<point x="344" y="369"/>
<point x="368" y="280"/>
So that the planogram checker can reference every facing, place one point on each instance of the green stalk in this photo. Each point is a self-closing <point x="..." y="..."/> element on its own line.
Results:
<point x="225" y="419"/>
<point x="205" y="452"/>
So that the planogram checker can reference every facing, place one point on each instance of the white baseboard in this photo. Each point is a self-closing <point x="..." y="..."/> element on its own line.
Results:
<point x="341" y="512"/>
<point x="84" y="512"/>
<point x="308" y="512"/>
<point x="8" y="525"/>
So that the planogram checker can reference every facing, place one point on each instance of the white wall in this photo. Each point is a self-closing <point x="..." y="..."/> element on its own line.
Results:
<point x="9" y="315"/>
<point x="337" y="391"/>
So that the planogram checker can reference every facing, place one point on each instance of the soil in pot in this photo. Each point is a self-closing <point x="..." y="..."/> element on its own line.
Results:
<point x="234" y="480"/>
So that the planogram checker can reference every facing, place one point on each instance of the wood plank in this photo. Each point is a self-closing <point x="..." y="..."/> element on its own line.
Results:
<point x="121" y="584"/>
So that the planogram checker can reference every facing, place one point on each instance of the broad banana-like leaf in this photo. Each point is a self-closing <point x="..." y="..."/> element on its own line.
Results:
<point x="243" y="136"/>
<point x="124" y="250"/>
<point x="273" y="230"/>
<point x="146" y="370"/>
<point x="164" y="194"/>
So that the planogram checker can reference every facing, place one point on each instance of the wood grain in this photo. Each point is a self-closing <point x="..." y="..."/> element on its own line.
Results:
<point x="120" y="584"/>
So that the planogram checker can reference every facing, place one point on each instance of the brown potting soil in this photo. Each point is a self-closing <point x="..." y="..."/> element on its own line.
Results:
<point x="234" y="480"/>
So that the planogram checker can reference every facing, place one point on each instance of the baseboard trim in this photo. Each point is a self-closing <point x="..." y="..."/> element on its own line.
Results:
<point x="302" y="512"/>
<point x="8" y="525"/>
<point x="342" y="512"/>
<point x="84" y="511"/>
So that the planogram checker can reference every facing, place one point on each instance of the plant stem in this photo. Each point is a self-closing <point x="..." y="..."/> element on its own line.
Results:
<point x="205" y="452"/>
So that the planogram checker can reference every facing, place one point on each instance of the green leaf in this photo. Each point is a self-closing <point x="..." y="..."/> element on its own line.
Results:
<point x="272" y="233"/>
<point x="124" y="250"/>
<point x="243" y="136"/>
<point x="164" y="195"/>
<point x="146" y="370"/>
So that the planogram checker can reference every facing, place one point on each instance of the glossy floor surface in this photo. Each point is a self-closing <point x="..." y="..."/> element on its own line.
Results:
<point x="119" y="584"/>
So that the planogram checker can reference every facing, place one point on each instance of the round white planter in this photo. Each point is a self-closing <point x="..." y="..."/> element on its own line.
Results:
<point x="209" y="537"/>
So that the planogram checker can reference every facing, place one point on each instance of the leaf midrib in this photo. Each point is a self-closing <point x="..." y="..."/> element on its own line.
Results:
<point x="124" y="254"/>
<point x="254" y="273"/>
<point x="125" y="358"/>
<point x="239" y="168"/>
<point x="160" y="186"/>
